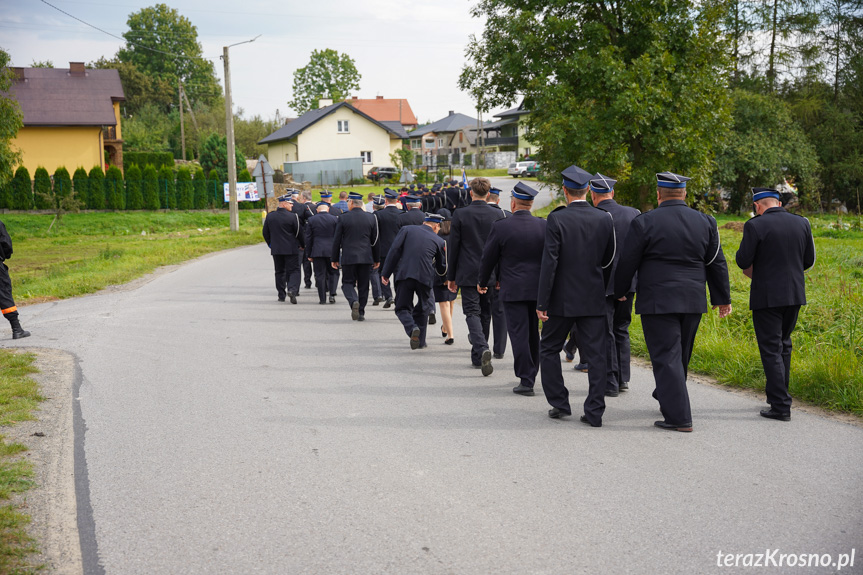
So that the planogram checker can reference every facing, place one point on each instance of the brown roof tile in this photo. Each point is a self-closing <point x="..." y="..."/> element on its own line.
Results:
<point x="386" y="110"/>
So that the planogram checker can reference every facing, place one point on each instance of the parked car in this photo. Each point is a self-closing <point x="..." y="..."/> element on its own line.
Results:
<point x="519" y="169"/>
<point x="378" y="173"/>
<point x="533" y="170"/>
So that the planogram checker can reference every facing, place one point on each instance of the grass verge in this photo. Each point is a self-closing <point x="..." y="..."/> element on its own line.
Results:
<point x="19" y="396"/>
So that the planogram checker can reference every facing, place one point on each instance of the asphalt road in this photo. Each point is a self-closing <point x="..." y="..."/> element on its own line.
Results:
<point x="229" y="433"/>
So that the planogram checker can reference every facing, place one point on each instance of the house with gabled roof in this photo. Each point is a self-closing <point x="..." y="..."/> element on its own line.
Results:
<point x="71" y="117"/>
<point x="444" y="136"/>
<point x="509" y="132"/>
<point x="335" y="131"/>
<point x="387" y="110"/>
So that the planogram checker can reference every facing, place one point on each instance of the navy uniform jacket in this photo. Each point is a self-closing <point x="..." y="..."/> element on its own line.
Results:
<point x="471" y="226"/>
<point x="414" y="217"/>
<point x="356" y="238"/>
<point x="283" y="232"/>
<point x="623" y="216"/>
<point x="417" y="253"/>
<point x="516" y="244"/>
<point x="5" y="243"/>
<point x="301" y="210"/>
<point x="320" y="230"/>
<point x="674" y="249"/>
<point x="457" y="197"/>
<point x="506" y="213"/>
<point x="779" y="247"/>
<point x="576" y="261"/>
<point x="334" y="210"/>
<point x="388" y="224"/>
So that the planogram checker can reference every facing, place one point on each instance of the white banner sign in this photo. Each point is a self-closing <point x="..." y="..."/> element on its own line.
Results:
<point x="246" y="192"/>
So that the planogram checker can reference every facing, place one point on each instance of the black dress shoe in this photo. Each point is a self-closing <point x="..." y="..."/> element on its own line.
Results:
<point x="362" y="317"/>
<point x="486" y="365"/>
<point x="355" y="311"/>
<point x="323" y="302"/>
<point x="293" y="297"/>
<point x="556" y="413"/>
<point x="332" y="299"/>
<point x="281" y="298"/>
<point x="523" y="390"/>
<point x="308" y="286"/>
<point x="423" y="345"/>
<point x="685" y="427"/>
<point x="19" y="333"/>
<point x="773" y="414"/>
<point x="569" y="356"/>
<point x="377" y="301"/>
<point x="584" y="419"/>
<point x="498" y="356"/>
<point x="624" y="386"/>
<point x="415" y="338"/>
<point x="580" y="367"/>
<point x="388" y="304"/>
<point x="611" y="393"/>
<point x="449" y="341"/>
<point x="432" y="319"/>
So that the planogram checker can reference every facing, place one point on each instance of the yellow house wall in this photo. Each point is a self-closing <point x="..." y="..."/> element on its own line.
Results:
<point x="117" y="116"/>
<point x="53" y="147"/>
<point x="523" y="142"/>
<point x="280" y="152"/>
<point x="322" y="141"/>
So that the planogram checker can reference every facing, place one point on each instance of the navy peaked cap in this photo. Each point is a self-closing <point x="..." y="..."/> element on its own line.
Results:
<point x="575" y="178"/>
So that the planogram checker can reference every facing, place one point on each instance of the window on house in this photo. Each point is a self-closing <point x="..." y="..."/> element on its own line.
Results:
<point x="440" y="143"/>
<point x="416" y="144"/>
<point x="343" y="127"/>
<point x="429" y="143"/>
<point x="367" y="157"/>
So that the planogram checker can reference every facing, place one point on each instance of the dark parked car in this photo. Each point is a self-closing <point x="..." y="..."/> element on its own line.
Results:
<point x="382" y="173"/>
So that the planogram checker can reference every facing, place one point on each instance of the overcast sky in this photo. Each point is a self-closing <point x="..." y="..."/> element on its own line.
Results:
<point x="410" y="49"/>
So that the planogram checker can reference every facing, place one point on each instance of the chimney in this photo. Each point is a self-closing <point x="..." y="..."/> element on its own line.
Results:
<point x="452" y="113"/>
<point x="76" y="68"/>
<point x="18" y="74"/>
<point x="356" y="98"/>
<point x="379" y="97"/>
<point x="324" y="102"/>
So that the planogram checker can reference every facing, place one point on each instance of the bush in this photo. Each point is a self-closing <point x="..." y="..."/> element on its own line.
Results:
<point x="157" y="159"/>
<point x="184" y="188"/>
<point x="167" y="189"/>
<point x="62" y="184"/>
<point x="81" y="185"/>
<point x="150" y="188"/>
<point x="214" y="189"/>
<point x="115" y="194"/>
<point x="42" y="189"/>
<point x="134" y="197"/>
<point x="22" y="190"/>
<point x="199" y="190"/>
<point x="96" y="189"/>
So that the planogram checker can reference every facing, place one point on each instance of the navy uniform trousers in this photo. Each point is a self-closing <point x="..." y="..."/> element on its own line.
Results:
<point x="523" y="327"/>
<point x="287" y="274"/>
<point x="386" y="290"/>
<point x="773" y="327"/>
<point x="7" y="304"/>
<point x="477" y="312"/>
<point x="376" y="283"/>
<point x="669" y="338"/>
<point x="413" y="314"/>
<point x="355" y="284"/>
<point x="498" y="321"/>
<point x="326" y="278"/>
<point x="307" y="268"/>
<point x="592" y="343"/>
<point x="621" y="318"/>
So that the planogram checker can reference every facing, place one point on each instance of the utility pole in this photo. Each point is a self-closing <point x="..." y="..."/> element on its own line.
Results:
<point x="182" y="124"/>
<point x="229" y="128"/>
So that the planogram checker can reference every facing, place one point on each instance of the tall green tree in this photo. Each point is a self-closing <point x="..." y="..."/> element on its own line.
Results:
<point x="134" y="197"/>
<point x="215" y="194"/>
<point x="22" y="190"/>
<point x="62" y="184"/>
<point x="628" y="89"/>
<point x="140" y="88"/>
<point x="793" y="36"/>
<point x="214" y="155"/>
<point x="115" y="189"/>
<point x="11" y="121"/>
<point x="150" y="188"/>
<point x="162" y="43"/>
<point x="81" y="184"/>
<point x="167" y="189"/>
<point x="328" y="74"/>
<point x="96" y="189"/>
<point x="184" y="188"/>
<point x="42" y="198"/>
<point x="199" y="186"/>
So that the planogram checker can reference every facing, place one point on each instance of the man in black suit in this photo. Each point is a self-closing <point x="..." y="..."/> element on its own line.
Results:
<point x="471" y="226"/>
<point x="283" y="232"/>
<point x="777" y="247"/>
<point x="514" y="247"/>
<point x="498" y="317"/>
<point x="388" y="224"/>
<point x="310" y="209"/>
<point x="416" y="256"/>
<point x="327" y="198"/>
<point x="674" y="249"/>
<point x="414" y="216"/>
<point x="356" y="247"/>
<point x="576" y="264"/>
<point x="7" y="303"/>
<point x="619" y="312"/>
<point x="378" y="204"/>
<point x="319" y="232"/>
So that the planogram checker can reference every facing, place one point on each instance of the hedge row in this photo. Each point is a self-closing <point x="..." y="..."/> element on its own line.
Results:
<point x="156" y="159"/>
<point x="148" y="189"/>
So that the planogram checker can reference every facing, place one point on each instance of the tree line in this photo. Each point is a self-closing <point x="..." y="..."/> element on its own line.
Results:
<point x="733" y="93"/>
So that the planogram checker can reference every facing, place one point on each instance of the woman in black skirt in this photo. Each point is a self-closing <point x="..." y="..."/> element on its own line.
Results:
<point x="442" y="295"/>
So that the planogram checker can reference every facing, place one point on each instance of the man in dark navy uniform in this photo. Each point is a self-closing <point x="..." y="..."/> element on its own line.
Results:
<point x="319" y="232"/>
<point x="414" y="216"/>
<point x="498" y="317"/>
<point x="283" y="232"/>
<point x="777" y="247"/>
<point x="388" y="224"/>
<point x="327" y="198"/>
<point x="674" y="249"/>
<point x="471" y="226"/>
<point x="416" y="256"/>
<point x="356" y="248"/>
<point x="514" y="247"/>
<point x="619" y="312"/>
<point x="7" y="303"/>
<point x="576" y="264"/>
<point x="378" y="204"/>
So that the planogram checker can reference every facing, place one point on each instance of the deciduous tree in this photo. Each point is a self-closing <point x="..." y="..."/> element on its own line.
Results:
<point x="328" y="74"/>
<point x="11" y="121"/>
